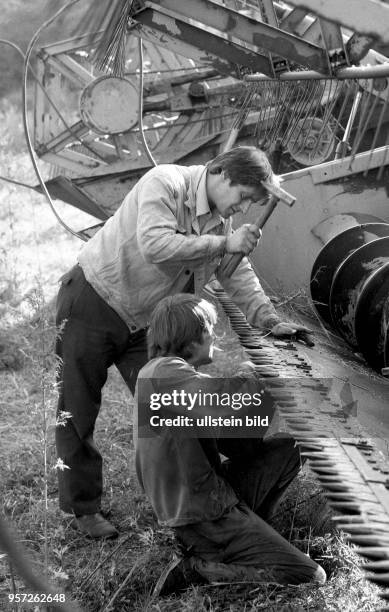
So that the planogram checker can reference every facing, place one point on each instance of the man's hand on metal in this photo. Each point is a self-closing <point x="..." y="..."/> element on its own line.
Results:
<point x="244" y="239"/>
<point x="293" y="331"/>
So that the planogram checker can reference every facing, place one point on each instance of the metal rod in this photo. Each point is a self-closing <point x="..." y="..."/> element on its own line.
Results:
<point x="351" y="72"/>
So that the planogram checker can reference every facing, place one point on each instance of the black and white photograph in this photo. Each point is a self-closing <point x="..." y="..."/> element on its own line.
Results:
<point x="194" y="305"/>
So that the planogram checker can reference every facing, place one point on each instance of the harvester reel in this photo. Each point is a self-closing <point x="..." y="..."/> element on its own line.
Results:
<point x="311" y="142"/>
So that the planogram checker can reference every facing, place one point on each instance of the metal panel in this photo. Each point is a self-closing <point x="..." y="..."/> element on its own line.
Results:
<point x="268" y="12"/>
<point x="269" y="17"/>
<point x="64" y="189"/>
<point x="333" y="42"/>
<point x="364" y="16"/>
<point x="76" y="162"/>
<point x="39" y="105"/>
<point x="78" y="130"/>
<point x="65" y="71"/>
<point x="184" y="47"/>
<point x="174" y="17"/>
<point x="225" y="55"/>
<point x="290" y="230"/>
<point x="340" y="168"/>
<point x="293" y="20"/>
<point x="73" y="44"/>
<point x="84" y="75"/>
<point x="313" y="33"/>
<point x="332" y="35"/>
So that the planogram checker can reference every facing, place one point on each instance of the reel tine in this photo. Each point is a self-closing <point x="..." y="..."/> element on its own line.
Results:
<point x="363" y="109"/>
<point x="377" y="130"/>
<point x="381" y="170"/>
<point x="309" y="120"/>
<point x="365" y="124"/>
<point x="327" y="114"/>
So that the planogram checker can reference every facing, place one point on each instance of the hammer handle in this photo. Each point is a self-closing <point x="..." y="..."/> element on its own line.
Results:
<point x="231" y="261"/>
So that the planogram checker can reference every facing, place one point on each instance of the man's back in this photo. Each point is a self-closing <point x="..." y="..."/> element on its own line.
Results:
<point x="178" y="473"/>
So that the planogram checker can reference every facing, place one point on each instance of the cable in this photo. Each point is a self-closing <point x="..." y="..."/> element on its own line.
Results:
<point x="26" y="67"/>
<point x="9" y="180"/>
<point x="49" y="99"/>
<point x="25" y="124"/>
<point x="140" y="105"/>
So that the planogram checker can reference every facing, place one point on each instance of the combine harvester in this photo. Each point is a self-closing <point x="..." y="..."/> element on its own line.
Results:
<point x="153" y="82"/>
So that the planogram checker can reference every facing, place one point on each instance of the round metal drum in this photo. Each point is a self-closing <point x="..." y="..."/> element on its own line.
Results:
<point x="109" y="105"/>
<point x="348" y="283"/>
<point x="372" y="319"/>
<point x="333" y="254"/>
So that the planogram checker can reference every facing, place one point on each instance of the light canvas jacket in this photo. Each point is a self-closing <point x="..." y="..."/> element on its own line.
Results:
<point x="162" y="233"/>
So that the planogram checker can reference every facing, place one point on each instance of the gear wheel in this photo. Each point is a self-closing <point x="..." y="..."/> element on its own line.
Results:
<point x="311" y="142"/>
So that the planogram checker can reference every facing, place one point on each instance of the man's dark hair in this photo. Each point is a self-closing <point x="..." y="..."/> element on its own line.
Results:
<point x="177" y="321"/>
<point x="243" y="165"/>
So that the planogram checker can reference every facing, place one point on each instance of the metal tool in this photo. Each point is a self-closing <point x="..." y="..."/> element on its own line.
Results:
<point x="230" y="262"/>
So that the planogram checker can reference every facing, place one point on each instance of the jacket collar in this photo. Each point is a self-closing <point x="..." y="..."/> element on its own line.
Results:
<point x="203" y="219"/>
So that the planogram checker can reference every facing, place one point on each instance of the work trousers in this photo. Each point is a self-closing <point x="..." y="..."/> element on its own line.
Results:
<point x="241" y="545"/>
<point x="91" y="337"/>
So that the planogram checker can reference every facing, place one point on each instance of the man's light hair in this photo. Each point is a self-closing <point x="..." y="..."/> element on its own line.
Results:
<point x="176" y="322"/>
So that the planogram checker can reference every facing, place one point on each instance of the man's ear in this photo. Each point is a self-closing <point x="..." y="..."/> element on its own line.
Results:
<point x="188" y="351"/>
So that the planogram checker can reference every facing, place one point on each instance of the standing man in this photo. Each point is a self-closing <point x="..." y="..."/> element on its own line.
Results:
<point x="167" y="237"/>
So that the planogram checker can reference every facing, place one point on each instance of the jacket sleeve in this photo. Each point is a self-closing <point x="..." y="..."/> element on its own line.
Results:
<point x="160" y="237"/>
<point x="246" y="291"/>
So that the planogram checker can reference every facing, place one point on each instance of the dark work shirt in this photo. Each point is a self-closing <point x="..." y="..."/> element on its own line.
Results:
<point x="179" y="474"/>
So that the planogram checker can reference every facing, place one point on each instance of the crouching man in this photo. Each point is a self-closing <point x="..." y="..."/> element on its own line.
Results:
<point x="218" y="510"/>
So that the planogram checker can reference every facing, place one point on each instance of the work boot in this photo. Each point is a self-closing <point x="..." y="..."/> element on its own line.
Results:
<point x="177" y="576"/>
<point x="95" y="526"/>
<point x="319" y="577"/>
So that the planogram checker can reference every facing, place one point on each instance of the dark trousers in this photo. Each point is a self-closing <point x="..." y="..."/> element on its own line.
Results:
<point x="241" y="545"/>
<point x="91" y="338"/>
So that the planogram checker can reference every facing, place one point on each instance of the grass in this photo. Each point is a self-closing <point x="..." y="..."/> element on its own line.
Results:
<point x="114" y="575"/>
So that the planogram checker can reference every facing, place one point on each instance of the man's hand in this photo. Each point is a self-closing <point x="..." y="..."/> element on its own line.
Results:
<point x="243" y="240"/>
<point x="293" y="330"/>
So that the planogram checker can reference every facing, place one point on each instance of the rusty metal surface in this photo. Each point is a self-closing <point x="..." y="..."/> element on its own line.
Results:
<point x="332" y="255"/>
<point x="372" y="318"/>
<point x="264" y="36"/>
<point x="172" y="31"/>
<point x="348" y="283"/>
<point x="352" y="472"/>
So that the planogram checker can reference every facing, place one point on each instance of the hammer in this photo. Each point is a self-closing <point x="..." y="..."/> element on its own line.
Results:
<point x="231" y="261"/>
